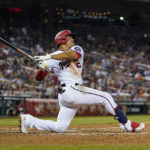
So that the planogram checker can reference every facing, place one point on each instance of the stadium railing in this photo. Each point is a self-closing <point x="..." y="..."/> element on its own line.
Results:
<point x="14" y="105"/>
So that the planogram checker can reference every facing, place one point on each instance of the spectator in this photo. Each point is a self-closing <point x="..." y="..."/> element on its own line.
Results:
<point x="118" y="59"/>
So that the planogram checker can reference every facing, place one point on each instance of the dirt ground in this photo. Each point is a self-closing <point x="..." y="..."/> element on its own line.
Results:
<point x="75" y="135"/>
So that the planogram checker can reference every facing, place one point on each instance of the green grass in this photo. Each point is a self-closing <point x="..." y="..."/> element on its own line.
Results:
<point x="81" y="120"/>
<point x="107" y="119"/>
<point x="78" y="147"/>
<point x="78" y="121"/>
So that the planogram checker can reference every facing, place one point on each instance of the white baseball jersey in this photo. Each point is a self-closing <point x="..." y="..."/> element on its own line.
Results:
<point x="73" y="95"/>
<point x="68" y="72"/>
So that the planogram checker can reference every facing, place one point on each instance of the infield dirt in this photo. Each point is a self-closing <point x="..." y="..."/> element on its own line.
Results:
<point x="75" y="135"/>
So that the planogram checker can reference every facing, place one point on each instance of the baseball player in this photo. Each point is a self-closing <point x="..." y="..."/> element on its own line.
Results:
<point x="67" y="63"/>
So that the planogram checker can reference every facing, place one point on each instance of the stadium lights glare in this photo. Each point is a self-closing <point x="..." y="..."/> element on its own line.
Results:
<point x="121" y="18"/>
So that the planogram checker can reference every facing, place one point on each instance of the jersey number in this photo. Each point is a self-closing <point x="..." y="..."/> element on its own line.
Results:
<point x="78" y="64"/>
<point x="64" y="64"/>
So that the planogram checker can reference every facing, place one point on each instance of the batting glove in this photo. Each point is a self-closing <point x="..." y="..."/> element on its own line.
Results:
<point x="42" y="58"/>
<point x="43" y="66"/>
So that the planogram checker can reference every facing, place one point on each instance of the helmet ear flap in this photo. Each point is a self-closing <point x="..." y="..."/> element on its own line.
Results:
<point x="65" y="39"/>
<point x="61" y="37"/>
<point x="62" y="41"/>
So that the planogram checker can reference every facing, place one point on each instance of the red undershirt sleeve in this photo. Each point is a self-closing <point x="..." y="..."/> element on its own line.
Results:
<point x="78" y="55"/>
<point x="40" y="74"/>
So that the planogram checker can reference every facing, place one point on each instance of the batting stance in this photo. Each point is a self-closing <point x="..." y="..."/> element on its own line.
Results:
<point x="67" y="63"/>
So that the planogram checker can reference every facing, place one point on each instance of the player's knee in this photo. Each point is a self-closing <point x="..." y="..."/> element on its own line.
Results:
<point x="61" y="128"/>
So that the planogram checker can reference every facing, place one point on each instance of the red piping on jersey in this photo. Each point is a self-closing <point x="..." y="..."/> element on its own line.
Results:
<point x="95" y="95"/>
<point x="40" y="74"/>
<point x="78" y="55"/>
<point x="104" y="98"/>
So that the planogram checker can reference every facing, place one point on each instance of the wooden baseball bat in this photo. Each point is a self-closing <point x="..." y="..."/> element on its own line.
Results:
<point x="16" y="49"/>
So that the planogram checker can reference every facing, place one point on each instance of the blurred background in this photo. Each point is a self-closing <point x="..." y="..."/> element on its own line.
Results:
<point x="115" y="36"/>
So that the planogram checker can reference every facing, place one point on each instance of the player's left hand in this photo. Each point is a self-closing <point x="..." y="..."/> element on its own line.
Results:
<point x="42" y="65"/>
<point x="42" y="58"/>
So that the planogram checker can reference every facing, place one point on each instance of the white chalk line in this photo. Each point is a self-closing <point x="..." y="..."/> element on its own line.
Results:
<point x="78" y="131"/>
<point x="88" y="132"/>
<point x="112" y="133"/>
<point x="146" y="122"/>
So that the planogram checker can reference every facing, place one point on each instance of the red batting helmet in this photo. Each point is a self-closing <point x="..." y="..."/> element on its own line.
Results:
<point x="61" y="37"/>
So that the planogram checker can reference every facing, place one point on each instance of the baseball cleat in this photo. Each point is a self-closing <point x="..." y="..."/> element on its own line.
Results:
<point x="23" y="123"/>
<point x="132" y="126"/>
<point x="136" y="127"/>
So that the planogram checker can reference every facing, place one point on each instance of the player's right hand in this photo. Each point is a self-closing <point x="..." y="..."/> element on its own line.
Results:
<point x="42" y="58"/>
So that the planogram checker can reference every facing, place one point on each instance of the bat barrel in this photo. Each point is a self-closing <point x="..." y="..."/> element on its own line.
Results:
<point x="8" y="43"/>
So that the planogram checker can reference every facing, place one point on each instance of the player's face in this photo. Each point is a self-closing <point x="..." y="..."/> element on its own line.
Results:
<point x="70" y="42"/>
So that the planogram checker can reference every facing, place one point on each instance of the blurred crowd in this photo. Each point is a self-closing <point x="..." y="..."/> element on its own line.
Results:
<point x="117" y="60"/>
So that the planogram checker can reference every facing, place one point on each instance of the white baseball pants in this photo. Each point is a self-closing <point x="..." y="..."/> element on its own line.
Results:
<point x="73" y="97"/>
